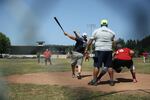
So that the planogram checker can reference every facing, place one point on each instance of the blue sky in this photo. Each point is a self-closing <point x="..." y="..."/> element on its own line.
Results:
<point x="28" y="21"/>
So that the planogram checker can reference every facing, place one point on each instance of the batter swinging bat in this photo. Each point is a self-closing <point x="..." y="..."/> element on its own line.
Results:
<point x="59" y="24"/>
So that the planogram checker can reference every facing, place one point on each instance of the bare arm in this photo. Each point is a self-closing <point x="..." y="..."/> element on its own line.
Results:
<point x="131" y="52"/>
<point x="70" y="36"/>
<point x="89" y="44"/>
<point x="113" y="42"/>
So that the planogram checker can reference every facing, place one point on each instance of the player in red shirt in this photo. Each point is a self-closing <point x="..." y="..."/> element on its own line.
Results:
<point x="47" y="55"/>
<point x="123" y="58"/>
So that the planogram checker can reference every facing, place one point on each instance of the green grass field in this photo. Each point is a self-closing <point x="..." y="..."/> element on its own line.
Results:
<point x="23" y="66"/>
<point x="47" y="92"/>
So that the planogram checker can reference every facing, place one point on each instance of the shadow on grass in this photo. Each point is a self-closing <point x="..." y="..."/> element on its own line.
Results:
<point x="55" y="92"/>
<point x="116" y="92"/>
<point x="146" y="91"/>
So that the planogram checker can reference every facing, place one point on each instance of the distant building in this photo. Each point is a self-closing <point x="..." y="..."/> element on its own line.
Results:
<point x="25" y="50"/>
<point x="40" y="43"/>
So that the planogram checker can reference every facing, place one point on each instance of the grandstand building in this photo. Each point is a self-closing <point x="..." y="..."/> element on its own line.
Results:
<point x="29" y="50"/>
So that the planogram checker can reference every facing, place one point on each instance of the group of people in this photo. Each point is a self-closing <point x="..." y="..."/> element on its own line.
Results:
<point x="103" y="39"/>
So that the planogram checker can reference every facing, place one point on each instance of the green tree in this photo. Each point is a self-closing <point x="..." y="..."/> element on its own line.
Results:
<point x="4" y="43"/>
<point x="131" y="44"/>
<point x="145" y="43"/>
<point x="121" y="41"/>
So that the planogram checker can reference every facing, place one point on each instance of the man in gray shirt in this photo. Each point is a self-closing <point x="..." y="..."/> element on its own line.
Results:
<point x="103" y="38"/>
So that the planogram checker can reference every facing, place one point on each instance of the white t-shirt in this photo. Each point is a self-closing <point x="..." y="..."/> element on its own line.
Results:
<point x="103" y="39"/>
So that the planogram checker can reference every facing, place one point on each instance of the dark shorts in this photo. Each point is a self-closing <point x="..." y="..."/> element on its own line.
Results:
<point x="47" y="59"/>
<point x="102" y="57"/>
<point x="116" y="63"/>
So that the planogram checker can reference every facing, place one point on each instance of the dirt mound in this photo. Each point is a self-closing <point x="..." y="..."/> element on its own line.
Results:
<point x="123" y="81"/>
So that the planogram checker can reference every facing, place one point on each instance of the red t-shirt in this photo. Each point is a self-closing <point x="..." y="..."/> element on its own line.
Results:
<point x="123" y="54"/>
<point x="47" y="54"/>
<point x="145" y="54"/>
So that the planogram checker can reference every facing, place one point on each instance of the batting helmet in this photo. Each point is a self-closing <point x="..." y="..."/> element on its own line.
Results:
<point x="84" y="34"/>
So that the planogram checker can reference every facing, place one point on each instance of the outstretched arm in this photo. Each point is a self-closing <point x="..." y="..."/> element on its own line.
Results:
<point x="70" y="36"/>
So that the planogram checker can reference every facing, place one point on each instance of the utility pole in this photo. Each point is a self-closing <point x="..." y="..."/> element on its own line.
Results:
<point x="91" y="28"/>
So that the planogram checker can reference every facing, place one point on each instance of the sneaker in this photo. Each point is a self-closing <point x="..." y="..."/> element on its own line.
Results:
<point x="93" y="82"/>
<point x="97" y="82"/>
<point x="111" y="83"/>
<point x="73" y="76"/>
<point x="79" y="76"/>
<point x="134" y="81"/>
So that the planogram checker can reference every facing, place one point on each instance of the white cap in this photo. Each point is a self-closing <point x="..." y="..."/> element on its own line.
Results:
<point x="84" y="34"/>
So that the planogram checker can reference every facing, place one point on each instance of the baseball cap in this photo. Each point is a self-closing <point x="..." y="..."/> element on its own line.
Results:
<point x="104" y="22"/>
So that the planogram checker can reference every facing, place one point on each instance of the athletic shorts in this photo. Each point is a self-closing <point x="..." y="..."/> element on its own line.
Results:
<point x="47" y="59"/>
<point x="76" y="58"/>
<point x="102" y="57"/>
<point x="116" y="63"/>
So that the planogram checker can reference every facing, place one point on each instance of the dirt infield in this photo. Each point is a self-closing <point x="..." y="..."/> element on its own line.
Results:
<point x="123" y="81"/>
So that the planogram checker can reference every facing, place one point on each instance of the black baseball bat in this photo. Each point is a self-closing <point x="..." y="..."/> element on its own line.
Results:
<point x="59" y="24"/>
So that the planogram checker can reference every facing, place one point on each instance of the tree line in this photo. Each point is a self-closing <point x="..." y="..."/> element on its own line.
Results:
<point x="4" y="44"/>
<point x="139" y="46"/>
